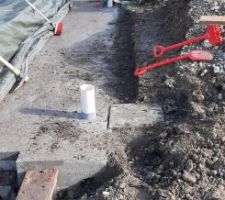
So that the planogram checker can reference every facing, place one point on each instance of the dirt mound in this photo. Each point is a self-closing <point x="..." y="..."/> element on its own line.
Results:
<point x="184" y="158"/>
<point x="177" y="161"/>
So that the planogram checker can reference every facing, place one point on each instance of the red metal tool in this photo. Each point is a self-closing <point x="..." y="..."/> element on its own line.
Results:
<point x="213" y="34"/>
<point x="197" y="55"/>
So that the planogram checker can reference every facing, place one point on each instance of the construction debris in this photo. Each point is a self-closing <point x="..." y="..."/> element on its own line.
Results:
<point x="219" y="20"/>
<point x="38" y="185"/>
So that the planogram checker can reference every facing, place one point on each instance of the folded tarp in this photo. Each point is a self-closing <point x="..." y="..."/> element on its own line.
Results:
<point x="23" y="32"/>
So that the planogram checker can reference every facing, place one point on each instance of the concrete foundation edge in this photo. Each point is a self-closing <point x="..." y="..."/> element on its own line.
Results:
<point x="71" y="172"/>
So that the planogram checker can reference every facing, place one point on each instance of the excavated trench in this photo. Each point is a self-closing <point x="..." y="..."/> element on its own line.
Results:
<point x="164" y="25"/>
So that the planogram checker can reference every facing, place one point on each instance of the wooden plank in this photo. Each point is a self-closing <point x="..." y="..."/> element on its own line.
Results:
<point x="219" y="20"/>
<point x="38" y="185"/>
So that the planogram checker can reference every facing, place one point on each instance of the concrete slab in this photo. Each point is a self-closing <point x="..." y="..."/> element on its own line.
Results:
<point x="134" y="115"/>
<point x="71" y="169"/>
<point x="40" y="120"/>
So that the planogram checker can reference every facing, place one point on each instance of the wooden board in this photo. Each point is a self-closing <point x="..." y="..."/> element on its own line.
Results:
<point x="38" y="185"/>
<point x="219" y="20"/>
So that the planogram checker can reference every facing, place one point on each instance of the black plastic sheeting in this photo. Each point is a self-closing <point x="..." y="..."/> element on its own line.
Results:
<point x="23" y="33"/>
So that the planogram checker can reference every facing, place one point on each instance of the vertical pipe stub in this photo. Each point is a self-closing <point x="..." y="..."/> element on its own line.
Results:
<point x="108" y="3"/>
<point x="87" y="101"/>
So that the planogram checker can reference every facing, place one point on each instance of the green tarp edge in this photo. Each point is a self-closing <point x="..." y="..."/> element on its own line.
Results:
<point x="27" y="50"/>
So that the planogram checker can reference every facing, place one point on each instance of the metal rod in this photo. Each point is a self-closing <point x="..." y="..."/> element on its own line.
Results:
<point x="38" y="11"/>
<point x="10" y="66"/>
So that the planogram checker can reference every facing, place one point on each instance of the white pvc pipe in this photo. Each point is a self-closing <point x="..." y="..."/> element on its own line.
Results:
<point x="109" y="3"/>
<point x="87" y="100"/>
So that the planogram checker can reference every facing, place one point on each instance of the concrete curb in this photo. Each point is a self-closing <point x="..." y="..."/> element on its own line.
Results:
<point x="71" y="171"/>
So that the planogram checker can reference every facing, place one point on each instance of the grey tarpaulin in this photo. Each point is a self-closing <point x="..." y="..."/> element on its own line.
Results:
<point x="23" y="32"/>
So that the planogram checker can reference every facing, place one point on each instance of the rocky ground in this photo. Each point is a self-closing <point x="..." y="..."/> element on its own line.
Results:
<point x="182" y="158"/>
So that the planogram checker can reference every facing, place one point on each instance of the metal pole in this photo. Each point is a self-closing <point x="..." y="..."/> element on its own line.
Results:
<point x="38" y="11"/>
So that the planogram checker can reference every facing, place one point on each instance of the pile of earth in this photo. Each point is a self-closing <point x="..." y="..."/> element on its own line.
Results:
<point x="184" y="157"/>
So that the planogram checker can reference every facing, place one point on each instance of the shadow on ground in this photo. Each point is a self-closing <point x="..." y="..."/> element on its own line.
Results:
<point x="89" y="186"/>
<point x="106" y="59"/>
<point x="50" y="113"/>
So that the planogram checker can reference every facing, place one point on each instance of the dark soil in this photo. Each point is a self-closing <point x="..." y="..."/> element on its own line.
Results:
<point x="61" y="129"/>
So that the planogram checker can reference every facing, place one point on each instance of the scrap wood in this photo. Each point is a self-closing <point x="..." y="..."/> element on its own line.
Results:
<point x="219" y="20"/>
<point x="38" y="185"/>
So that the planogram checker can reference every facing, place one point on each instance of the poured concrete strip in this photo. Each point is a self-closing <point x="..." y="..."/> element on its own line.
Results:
<point x="134" y="115"/>
<point x="38" y="185"/>
<point x="38" y="120"/>
<point x="71" y="170"/>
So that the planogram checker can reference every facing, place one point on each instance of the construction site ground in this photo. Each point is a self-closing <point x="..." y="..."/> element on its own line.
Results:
<point x="180" y="157"/>
<point x="40" y="123"/>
